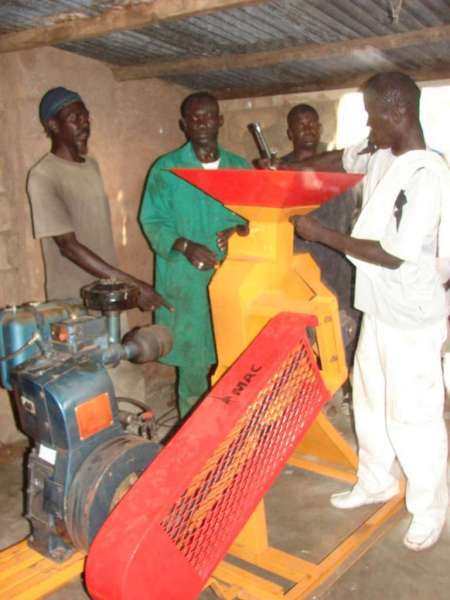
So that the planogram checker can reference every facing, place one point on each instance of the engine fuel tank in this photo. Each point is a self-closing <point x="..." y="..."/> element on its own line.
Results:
<point x="18" y="325"/>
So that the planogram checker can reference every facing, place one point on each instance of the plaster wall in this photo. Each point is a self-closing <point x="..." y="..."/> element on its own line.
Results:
<point x="271" y="113"/>
<point x="132" y="124"/>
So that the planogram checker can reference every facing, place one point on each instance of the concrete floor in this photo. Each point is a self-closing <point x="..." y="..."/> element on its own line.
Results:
<point x="302" y="522"/>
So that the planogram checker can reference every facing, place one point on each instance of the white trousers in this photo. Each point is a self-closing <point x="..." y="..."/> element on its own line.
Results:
<point x="398" y="400"/>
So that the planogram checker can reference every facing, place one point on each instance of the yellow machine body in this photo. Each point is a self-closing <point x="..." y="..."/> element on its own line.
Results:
<point x="262" y="277"/>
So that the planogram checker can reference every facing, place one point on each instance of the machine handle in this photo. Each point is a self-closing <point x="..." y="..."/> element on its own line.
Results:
<point x="261" y="142"/>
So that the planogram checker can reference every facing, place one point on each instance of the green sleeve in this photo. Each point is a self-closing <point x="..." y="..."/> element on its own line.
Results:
<point x="244" y="164"/>
<point x="156" y="213"/>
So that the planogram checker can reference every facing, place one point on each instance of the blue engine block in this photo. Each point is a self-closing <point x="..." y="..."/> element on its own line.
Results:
<point x="53" y="359"/>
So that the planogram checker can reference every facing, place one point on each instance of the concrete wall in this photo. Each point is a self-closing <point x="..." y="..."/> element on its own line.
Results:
<point x="132" y="123"/>
<point x="271" y="113"/>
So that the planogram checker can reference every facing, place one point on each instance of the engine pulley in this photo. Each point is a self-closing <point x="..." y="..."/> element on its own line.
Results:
<point x="104" y="477"/>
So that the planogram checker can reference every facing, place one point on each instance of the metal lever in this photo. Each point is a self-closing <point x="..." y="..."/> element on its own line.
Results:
<point x="261" y="142"/>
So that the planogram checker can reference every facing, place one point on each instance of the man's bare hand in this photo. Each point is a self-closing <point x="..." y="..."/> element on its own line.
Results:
<point x="200" y="256"/>
<point x="307" y="228"/>
<point x="149" y="299"/>
<point x="224" y="236"/>
<point x="266" y="163"/>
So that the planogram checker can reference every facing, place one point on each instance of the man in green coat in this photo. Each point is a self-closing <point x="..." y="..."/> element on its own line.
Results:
<point x="188" y="231"/>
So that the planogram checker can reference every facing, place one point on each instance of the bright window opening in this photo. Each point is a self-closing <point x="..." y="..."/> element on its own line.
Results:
<point x="435" y="117"/>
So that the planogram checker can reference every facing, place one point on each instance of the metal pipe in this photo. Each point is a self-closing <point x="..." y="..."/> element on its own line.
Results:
<point x="113" y="321"/>
<point x="261" y="142"/>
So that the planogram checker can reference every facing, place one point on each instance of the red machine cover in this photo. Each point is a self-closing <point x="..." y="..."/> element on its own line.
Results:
<point x="272" y="189"/>
<point x="166" y="536"/>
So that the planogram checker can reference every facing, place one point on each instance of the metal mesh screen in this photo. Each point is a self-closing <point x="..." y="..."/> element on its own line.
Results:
<point x="237" y="471"/>
<point x="186" y="509"/>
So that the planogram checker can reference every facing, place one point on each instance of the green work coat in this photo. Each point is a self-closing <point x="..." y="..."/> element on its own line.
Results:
<point x="173" y="208"/>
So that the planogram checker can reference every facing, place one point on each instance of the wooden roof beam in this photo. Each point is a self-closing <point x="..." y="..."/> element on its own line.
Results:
<point x="428" y="35"/>
<point x="432" y="73"/>
<point x="119" y="18"/>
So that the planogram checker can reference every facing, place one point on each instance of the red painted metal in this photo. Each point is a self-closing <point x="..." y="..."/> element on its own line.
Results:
<point x="166" y="536"/>
<point x="273" y="189"/>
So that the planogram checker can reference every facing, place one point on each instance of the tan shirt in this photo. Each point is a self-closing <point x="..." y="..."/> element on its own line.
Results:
<point x="69" y="196"/>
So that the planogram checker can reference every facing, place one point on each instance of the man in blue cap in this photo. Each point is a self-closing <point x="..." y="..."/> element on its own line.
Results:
<point x="70" y="209"/>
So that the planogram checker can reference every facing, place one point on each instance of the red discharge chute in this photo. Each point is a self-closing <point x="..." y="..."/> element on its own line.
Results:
<point x="169" y="532"/>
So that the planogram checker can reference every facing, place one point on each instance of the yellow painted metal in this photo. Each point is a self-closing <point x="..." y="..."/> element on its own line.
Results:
<point x="244" y="585"/>
<point x="306" y="577"/>
<point x="324" y="450"/>
<point x="348" y="552"/>
<point x="253" y="538"/>
<point x="27" y="575"/>
<point x="260" y="278"/>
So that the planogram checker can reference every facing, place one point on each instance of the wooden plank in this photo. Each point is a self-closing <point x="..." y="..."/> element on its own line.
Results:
<point x="349" y="551"/>
<point x="119" y="18"/>
<point x="432" y="73"/>
<point x="14" y="571"/>
<point x="27" y="575"/>
<point x="46" y="582"/>
<point x="427" y="35"/>
<point x="309" y="578"/>
<point x="13" y="553"/>
<point x="276" y="561"/>
<point x="257" y="587"/>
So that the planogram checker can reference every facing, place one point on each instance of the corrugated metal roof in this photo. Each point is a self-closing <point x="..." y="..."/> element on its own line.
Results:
<point x="272" y="25"/>
<point x="264" y="26"/>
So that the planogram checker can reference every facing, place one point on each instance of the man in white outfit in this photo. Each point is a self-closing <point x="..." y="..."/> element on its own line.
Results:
<point x="398" y="391"/>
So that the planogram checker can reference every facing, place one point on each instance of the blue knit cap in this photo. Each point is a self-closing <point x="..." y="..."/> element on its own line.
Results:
<point x="54" y="100"/>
